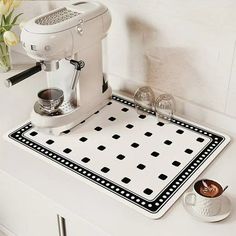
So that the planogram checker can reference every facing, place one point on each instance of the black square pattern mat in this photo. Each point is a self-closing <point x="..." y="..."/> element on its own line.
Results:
<point x="145" y="163"/>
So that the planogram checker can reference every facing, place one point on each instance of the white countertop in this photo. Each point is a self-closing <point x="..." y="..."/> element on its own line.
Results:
<point x="70" y="193"/>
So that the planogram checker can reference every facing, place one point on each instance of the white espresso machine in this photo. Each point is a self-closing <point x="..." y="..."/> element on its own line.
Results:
<point x="67" y="44"/>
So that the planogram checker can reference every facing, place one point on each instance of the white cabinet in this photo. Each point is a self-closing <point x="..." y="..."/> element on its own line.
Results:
<point x="25" y="212"/>
<point x="80" y="227"/>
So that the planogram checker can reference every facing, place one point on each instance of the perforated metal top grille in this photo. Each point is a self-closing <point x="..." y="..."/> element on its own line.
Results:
<point x="57" y="17"/>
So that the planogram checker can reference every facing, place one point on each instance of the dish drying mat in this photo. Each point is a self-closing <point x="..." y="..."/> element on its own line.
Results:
<point x="144" y="163"/>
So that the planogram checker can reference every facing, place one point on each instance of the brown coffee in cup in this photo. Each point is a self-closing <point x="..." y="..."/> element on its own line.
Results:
<point x="206" y="197"/>
<point x="208" y="188"/>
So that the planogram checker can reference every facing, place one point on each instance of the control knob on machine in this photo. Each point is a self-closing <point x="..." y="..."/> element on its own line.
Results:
<point x="79" y="27"/>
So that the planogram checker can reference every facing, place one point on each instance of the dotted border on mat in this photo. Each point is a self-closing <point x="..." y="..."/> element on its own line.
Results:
<point x="159" y="201"/>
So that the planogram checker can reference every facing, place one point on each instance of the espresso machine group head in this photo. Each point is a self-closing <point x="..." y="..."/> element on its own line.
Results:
<point x="68" y="38"/>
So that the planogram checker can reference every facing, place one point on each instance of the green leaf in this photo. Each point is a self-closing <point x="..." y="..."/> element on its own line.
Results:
<point x="15" y="19"/>
<point x="3" y="20"/>
<point x="8" y="18"/>
<point x="8" y="27"/>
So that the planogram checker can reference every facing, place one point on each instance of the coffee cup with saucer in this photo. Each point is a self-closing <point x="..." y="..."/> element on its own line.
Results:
<point x="206" y="201"/>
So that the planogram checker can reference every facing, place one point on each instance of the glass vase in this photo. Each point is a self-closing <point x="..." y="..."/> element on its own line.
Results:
<point x="5" y="62"/>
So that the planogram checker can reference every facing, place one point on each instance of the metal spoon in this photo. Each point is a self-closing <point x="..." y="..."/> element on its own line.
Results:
<point x="225" y="188"/>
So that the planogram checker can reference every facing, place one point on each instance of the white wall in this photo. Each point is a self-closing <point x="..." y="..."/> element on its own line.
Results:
<point x="186" y="48"/>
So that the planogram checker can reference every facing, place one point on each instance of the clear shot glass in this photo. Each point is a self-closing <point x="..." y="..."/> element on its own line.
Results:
<point x="144" y="99"/>
<point x="165" y="107"/>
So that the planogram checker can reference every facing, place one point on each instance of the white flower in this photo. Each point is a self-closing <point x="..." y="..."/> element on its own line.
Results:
<point x="10" y="38"/>
<point x="5" y="6"/>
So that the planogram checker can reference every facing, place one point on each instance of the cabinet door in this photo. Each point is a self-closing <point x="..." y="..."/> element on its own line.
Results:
<point x="24" y="211"/>
<point x="79" y="227"/>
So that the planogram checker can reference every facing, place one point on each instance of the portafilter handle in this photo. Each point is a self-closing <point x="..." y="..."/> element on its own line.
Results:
<point x="23" y="75"/>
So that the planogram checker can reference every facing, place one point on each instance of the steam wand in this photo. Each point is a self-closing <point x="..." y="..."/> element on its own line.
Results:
<point x="78" y="65"/>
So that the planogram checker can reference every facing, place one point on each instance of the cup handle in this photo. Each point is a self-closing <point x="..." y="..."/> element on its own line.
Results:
<point x="190" y="199"/>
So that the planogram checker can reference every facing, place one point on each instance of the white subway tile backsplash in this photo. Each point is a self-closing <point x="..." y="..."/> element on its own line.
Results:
<point x="182" y="47"/>
<point x="169" y="52"/>
<point x="231" y="95"/>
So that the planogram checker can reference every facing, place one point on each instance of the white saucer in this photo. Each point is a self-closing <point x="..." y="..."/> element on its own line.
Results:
<point x="224" y="211"/>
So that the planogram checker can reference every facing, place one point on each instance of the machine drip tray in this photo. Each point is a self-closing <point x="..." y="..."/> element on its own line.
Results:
<point x="144" y="163"/>
<point x="65" y="108"/>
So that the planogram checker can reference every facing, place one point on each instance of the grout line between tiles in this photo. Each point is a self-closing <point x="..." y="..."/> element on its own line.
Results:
<point x="230" y="78"/>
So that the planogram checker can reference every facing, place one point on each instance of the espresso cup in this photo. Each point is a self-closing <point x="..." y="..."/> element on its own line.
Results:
<point x="205" y="198"/>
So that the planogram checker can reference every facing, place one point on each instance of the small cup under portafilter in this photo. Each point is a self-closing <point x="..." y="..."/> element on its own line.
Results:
<point x="50" y="99"/>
